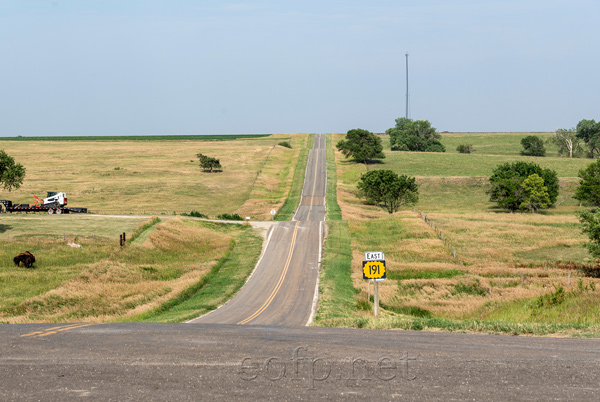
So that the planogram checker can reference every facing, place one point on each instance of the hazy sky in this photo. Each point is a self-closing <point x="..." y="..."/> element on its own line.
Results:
<point x="223" y="67"/>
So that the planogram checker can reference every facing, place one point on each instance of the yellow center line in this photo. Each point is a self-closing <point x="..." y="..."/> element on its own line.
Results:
<point x="66" y="329"/>
<point x="279" y="283"/>
<point x="49" y="329"/>
<point x="54" y="330"/>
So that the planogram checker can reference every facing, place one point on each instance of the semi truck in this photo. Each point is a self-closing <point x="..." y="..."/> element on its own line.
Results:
<point x="54" y="203"/>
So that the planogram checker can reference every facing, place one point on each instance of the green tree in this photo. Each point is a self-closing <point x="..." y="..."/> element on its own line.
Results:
<point x="414" y="135"/>
<point x="589" y="132"/>
<point x="507" y="179"/>
<point x="591" y="226"/>
<point x="361" y="145"/>
<point x="533" y="146"/>
<point x="209" y="164"/>
<point x="588" y="190"/>
<point x="386" y="188"/>
<point x="567" y="142"/>
<point x="11" y="173"/>
<point x="534" y="194"/>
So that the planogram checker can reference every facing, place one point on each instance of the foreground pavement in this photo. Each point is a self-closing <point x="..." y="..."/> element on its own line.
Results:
<point x="146" y="361"/>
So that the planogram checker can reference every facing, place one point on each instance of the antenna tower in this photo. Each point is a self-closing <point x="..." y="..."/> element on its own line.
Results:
<point x="406" y="85"/>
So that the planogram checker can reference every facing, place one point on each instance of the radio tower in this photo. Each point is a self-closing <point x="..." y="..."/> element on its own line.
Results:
<point x="406" y="85"/>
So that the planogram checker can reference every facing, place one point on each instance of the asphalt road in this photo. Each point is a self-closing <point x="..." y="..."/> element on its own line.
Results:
<point x="144" y="361"/>
<point x="281" y="290"/>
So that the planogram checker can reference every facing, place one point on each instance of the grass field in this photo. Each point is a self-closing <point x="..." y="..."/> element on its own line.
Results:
<point x="159" y="177"/>
<point x="109" y="138"/>
<point x="164" y="264"/>
<point x="506" y="264"/>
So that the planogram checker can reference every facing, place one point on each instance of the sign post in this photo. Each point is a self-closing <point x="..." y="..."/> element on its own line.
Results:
<point x="376" y="298"/>
<point x="374" y="270"/>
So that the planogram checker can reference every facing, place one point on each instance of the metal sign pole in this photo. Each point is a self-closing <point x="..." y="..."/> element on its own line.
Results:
<point x="376" y="297"/>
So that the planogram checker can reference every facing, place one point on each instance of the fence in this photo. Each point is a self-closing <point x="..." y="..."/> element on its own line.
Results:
<point x="440" y="234"/>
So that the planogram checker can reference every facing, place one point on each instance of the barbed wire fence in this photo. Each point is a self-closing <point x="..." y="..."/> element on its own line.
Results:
<point x="440" y="235"/>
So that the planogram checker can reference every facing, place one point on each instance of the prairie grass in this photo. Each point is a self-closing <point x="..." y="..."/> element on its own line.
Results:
<point x="105" y="138"/>
<point x="333" y="209"/>
<point x="153" y="177"/>
<point x="102" y="281"/>
<point x="292" y="198"/>
<point x="336" y="291"/>
<point x="276" y="179"/>
<point x="504" y="262"/>
<point x="33" y="225"/>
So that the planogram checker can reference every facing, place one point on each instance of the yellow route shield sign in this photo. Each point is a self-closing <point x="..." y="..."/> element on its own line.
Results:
<point x="374" y="269"/>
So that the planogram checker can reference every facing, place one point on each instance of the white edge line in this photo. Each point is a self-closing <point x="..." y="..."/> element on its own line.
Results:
<point x="251" y="274"/>
<point x="315" y="302"/>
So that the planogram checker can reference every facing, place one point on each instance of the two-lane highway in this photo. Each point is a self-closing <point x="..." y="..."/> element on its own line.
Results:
<point x="282" y="287"/>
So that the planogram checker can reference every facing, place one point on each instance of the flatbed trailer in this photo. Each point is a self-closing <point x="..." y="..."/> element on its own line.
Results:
<point x="51" y="209"/>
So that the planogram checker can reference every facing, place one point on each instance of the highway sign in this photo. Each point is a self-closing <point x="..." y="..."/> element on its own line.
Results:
<point x="374" y="256"/>
<point x="374" y="270"/>
<point x="273" y="212"/>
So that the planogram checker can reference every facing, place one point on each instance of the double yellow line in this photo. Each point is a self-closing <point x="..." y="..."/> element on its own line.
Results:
<point x="279" y="283"/>
<point x="55" y="330"/>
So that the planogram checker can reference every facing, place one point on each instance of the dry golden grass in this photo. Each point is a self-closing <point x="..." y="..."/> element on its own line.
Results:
<point x="272" y="185"/>
<point x="155" y="176"/>
<point x="137" y="278"/>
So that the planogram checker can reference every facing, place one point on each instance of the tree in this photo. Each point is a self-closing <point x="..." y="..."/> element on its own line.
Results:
<point x="567" y="142"/>
<point x="588" y="190"/>
<point x="209" y="164"/>
<point x="591" y="226"/>
<point x="361" y="145"/>
<point x="507" y="179"/>
<point x="414" y="135"/>
<point x="11" y="173"/>
<point x="589" y="132"/>
<point x="386" y="188"/>
<point x="535" y="194"/>
<point x="533" y="146"/>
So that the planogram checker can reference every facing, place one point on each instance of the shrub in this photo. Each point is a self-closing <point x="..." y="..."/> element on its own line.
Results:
<point x="285" y="144"/>
<point x="533" y="146"/>
<point x="209" y="164"/>
<point x="230" y="217"/>
<point x="196" y="214"/>
<point x="465" y="149"/>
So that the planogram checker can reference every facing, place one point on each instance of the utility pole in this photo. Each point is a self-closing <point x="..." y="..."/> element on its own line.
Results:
<point x="406" y="85"/>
